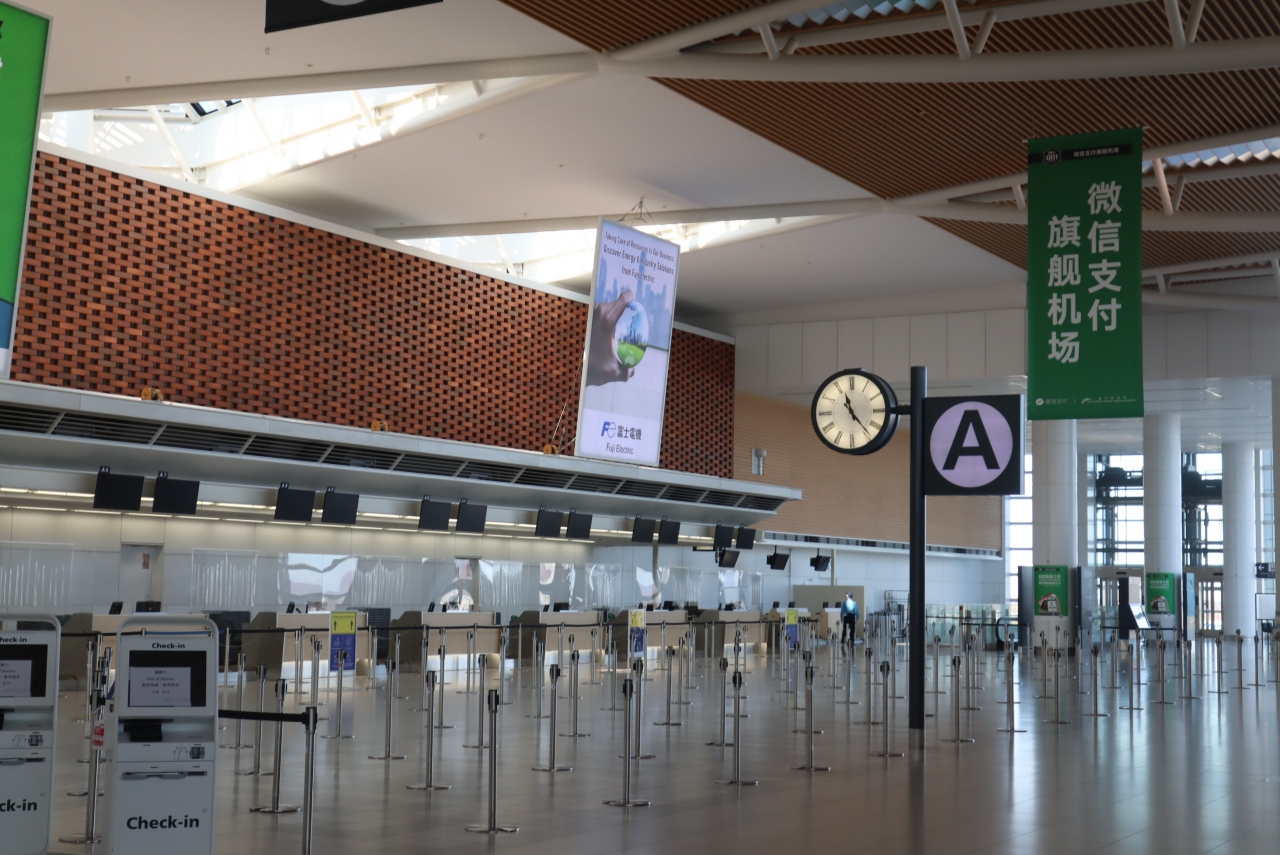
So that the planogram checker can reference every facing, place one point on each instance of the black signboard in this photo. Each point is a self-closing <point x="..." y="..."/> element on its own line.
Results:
<point x="974" y="446"/>
<point x="288" y="14"/>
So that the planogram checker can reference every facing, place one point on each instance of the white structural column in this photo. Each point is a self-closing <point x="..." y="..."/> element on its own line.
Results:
<point x="1162" y="493"/>
<point x="1054" y="502"/>
<point x="1239" y="539"/>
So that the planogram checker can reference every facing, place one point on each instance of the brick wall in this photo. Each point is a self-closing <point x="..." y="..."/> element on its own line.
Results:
<point x="129" y="284"/>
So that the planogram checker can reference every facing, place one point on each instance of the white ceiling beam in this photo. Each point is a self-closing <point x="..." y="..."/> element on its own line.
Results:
<point x="1180" y="186"/>
<point x="1166" y="201"/>
<point x="1177" y="35"/>
<point x="957" y="29"/>
<point x="1211" y="264"/>
<point x="1228" y="222"/>
<point x="672" y="43"/>
<point x="1004" y="182"/>
<point x="984" y="31"/>
<point x="337" y="81"/>
<point x="1275" y="268"/>
<point x="1193" y="20"/>
<point x="1150" y="61"/>
<point x="770" y="44"/>
<point x="907" y="25"/>
<point x="172" y="143"/>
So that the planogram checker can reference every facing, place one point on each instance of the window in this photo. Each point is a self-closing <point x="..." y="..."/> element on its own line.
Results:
<point x="1018" y="516"/>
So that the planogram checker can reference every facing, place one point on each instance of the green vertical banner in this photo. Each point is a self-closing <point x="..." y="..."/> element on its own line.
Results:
<point x="1084" y="276"/>
<point x="24" y="42"/>
<point x="1162" y="594"/>
<point x="1053" y="597"/>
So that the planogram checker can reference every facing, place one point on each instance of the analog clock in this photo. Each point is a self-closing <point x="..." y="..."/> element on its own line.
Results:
<point x="854" y="412"/>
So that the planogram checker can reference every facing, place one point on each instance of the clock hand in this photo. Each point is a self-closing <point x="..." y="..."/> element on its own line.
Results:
<point x="849" y="406"/>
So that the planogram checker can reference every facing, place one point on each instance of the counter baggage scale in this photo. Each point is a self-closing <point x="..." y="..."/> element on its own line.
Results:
<point x="28" y="711"/>
<point x="160" y="738"/>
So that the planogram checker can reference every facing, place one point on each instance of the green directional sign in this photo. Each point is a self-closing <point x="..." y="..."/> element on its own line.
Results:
<point x="1162" y="594"/>
<point x="1084" y="276"/>
<point x="24" y="42"/>
<point x="1052" y="590"/>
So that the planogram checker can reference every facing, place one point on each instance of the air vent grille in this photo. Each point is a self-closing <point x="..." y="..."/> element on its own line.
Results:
<point x="761" y="503"/>
<point x="202" y="439"/>
<point x="26" y="419"/>
<point x="641" y="489"/>
<point x="426" y="464"/>
<point x="595" y="484"/>
<point x="84" y="426"/>
<point x="545" y="478"/>
<point x="675" y="493"/>
<point x="721" y="498"/>
<point x="478" y="471"/>
<point x="287" y="449"/>
<point x="361" y="458"/>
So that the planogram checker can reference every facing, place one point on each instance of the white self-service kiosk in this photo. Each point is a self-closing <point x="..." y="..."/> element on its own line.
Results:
<point x="28" y="713"/>
<point x="160" y="737"/>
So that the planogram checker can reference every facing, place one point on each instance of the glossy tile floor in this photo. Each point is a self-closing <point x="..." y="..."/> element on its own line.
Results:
<point x="1193" y="777"/>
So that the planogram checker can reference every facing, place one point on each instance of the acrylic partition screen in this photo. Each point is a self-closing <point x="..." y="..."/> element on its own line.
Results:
<point x="40" y="576"/>
<point x="223" y="578"/>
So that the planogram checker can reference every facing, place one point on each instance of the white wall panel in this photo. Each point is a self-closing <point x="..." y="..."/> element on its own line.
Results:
<point x="929" y="344"/>
<point x="819" y="352"/>
<point x="966" y="345"/>
<point x="856" y="343"/>
<point x="893" y="349"/>
<point x="1228" y="344"/>
<point x="1154" y="331"/>
<point x="1264" y="345"/>
<point x="751" y="356"/>
<point x="786" y="355"/>
<point x="1006" y="343"/>
<point x="1187" y="345"/>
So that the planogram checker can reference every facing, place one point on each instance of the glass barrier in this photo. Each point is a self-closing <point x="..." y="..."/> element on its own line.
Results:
<point x="223" y="579"/>
<point x="39" y="575"/>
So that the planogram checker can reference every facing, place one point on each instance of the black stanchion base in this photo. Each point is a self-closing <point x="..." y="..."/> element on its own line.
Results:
<point x="497" y="829"/>
<point x="442" y="727"/>
<point x="821" y="768"/>
<point x="553" y="768"/>
<point x="389" y="757"/>
<point x="481" y="747"/>
<point x="254" y="774"/>
<point x="639" y="756"/>
<point x="623" y="804"/>
<point x="537" y="716"/>
<point x="720" y="744"/>
<point x="667" y="724"/>
<point x="235" y="747"/>
<point x="338" y="736"/>
<point x="945" y="740"/>
<point x="740" y="783"/>
<point x="802" y="730"/>
<point x="281" y="809"/>
<point x="1016" y="729"/>
<point x="80" y="839"/>
<point x="425" y="787"/>
<point x="575" y="735"/>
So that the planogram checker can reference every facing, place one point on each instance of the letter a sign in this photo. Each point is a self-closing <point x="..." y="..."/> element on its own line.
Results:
<point x="974" y="446"/>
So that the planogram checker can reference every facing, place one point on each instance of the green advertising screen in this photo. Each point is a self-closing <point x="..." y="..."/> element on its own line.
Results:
<point x="1053" y="597"/>
<point x="1084" y="276"/>
<point x="1162" y="594"/>
<point x="24" y="40"/>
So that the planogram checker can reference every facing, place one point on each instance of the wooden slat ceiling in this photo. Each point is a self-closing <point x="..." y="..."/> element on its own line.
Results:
<point x="1158" y="248"/>
<point x="901" y="139"/>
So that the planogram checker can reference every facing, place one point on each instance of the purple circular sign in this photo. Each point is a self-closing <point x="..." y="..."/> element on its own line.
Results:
<point x="971" y="444"/>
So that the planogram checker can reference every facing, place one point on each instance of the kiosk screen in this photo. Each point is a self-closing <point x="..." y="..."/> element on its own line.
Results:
<point x="22" y="670"/>
<point x="166" y="678"/>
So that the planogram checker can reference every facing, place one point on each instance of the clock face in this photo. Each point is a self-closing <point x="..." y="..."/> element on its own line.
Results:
<point x="853" y="412"/>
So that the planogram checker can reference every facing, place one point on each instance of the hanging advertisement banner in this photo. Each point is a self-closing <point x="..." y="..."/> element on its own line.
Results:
<point x="1052" y="591"/>
<point x="288" y="14"/>
<point x="1084" y="276"/>
<point x="24" y="43"/>
<point x="624" y="368"/>
<point x="1162" y="594"/>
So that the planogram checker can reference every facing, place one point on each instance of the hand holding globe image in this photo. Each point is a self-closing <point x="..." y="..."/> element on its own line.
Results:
<point x="631" y="335"/>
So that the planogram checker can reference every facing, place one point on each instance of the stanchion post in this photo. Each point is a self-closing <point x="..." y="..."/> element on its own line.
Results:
<point x="637" y="670"/>
<point x="724" y="688"/>
<point x="429" y="754"/>
<point x="481" y="662"/>
<point x="257" y="742"/>
<point x="955" y="702"/>
<point x="551" y="731"/>
<point x="1093" y="667"/>
<point x="809" y="673"/>
<point x="885" y="713"/>
<point x="342" y="669"/>
<point x="737" y="780"/>
<point x="282" y="689"/>
<point x="494" y="701"/>
<point x="628" y="691"/>
<point x="575" y="697"/>
<point x="309" y="782"/>
<point x="239" y="729"/>
<point x="386" y="754"/>
<point x="1057" y="686"/>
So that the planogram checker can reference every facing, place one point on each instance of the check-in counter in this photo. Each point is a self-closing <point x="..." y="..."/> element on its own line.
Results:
<point x="724" y="624"/>
<point x="276" y="646"/>
<point x="449" y="628"/>
<point x="675" y="621"/>
<point x="553" y="628"/>
<point x="828" y="622"/>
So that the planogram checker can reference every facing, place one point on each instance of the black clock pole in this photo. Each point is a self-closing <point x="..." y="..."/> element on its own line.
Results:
<point x="915" y="595"/>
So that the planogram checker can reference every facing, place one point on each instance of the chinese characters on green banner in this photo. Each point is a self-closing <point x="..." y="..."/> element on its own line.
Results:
<point x="24" y="39"/>
<point x="1084" y="276"/>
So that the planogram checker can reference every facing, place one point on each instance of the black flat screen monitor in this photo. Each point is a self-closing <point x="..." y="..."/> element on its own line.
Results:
<point x="295" y="505"/>
<point x="146" y="607"/>
<point x="175" y="497"/>
<point x="471" y="517"/>
<point x="746" y="538"/>
<point x="642" y="530"/>
<point x="729" y="558"/>
<point x="340" y="508"/>
<point x="669" y="532"/>
<point x="548" y="524"/>
<point x="579" y="527"/>
<point x="167" y="678"/>
<point x="434" y="516"/>
<point x="23" y="670"/>
<point x="116" y="608"/>
<point x="117" y="492"/>
<point x="820" y="563"/>
<point x="431" y="606"/>
<point x="778" y="560"/>
<point x="723" y="538"/>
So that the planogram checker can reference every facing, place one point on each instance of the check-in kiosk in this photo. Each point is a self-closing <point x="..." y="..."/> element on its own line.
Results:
<point x="162" y="722"/>
<point x="28" y="711"/>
